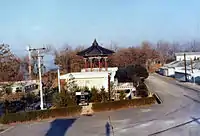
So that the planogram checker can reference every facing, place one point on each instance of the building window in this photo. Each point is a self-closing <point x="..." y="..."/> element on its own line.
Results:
<point x="19" y="89"/>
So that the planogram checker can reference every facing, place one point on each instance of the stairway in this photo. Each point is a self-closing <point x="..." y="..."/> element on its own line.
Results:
<point x="87" y="110"/>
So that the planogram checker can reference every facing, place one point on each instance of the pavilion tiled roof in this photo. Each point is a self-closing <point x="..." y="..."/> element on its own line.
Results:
<point x="95" y="50"/>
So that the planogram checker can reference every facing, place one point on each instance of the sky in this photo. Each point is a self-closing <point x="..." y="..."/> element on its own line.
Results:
<point x="79" y="22"/>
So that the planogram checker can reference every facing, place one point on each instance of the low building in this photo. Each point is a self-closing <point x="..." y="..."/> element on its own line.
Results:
<point x="91" y="79"/>
<point x="192" y="72"/>
<point x="170" y="68"/>
<point x="188" y="56"/>
<point x="22" y="86"/>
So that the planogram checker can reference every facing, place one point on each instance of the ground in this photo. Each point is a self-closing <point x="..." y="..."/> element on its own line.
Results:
<point x="178" y="115"/>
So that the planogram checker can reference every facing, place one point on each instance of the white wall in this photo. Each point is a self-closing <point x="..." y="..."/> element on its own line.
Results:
<point x="92" y="79"/>
<point x="97" y="82"/>
<point x="171" y="72"/>
<point x="188" y="57"/>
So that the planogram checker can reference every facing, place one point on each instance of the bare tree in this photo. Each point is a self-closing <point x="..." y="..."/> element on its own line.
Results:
<point x="164" y="51"/>
<point x="9" y="65"/>
<point x="68" y="60"/>
<point x="193" y="46"/>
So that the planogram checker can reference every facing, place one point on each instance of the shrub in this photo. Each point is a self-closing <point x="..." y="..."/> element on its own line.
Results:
<point x="95" y="96"/>
<point x="121" y="95"/>
<point x="64" y="99"/>
<point x="141" y="90"/>
<point x="30" y="97"/>
<point x="40" y="114"/>
<point x="8" y="90"/>
<point x="104" y="95"/>
<point x="123" y="104"/>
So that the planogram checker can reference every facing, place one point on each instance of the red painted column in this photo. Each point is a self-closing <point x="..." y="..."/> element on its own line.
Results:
<point x="85" y="60"/>
<point x="90" y="64"/>
<point x="106" y="65"/>
<point x="99" y="63"/>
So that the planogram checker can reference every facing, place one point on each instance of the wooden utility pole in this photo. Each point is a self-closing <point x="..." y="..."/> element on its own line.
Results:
<point x="185" y="67"/>
<point x="191" y="63"/>
<point x="109" y="87"/>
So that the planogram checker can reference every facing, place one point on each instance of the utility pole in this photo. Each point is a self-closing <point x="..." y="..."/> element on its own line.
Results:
<point x="29" y="62"/>
<point x="59" y="79"/>
<point x="191" y="63"/>
<point x="109" y="95"/>
<point x="185" y="67"/>
<point x="40" y="74"/>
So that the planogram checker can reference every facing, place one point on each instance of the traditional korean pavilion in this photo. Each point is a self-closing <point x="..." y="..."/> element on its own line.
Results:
<point x="95" y="57"/>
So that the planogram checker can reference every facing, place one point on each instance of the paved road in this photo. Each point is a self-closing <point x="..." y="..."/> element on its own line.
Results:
<point x="178" y="115"/>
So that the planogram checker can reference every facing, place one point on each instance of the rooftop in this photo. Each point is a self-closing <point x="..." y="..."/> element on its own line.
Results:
<point x="95" y="50"/>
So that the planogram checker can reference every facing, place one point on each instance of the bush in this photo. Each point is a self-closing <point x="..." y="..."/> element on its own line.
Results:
<point x="123" y="104"/>
<point x="40" y="114"/>
<point x="64" y="99"/>
<point x="104" y="95"/>
<point x="121" y="95"/>
<point x="95" y="96"/>
<point x="141" y="90"/>
<point x="8" y="90"/>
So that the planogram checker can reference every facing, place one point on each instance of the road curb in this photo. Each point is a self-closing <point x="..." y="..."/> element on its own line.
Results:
<point x="158" y="99"/>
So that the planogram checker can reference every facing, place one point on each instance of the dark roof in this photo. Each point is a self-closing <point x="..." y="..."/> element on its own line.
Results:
<point x="95" y="50"/>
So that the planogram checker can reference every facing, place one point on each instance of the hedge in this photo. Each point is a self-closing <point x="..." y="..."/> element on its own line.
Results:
<point x="39" y="114"/>
<point x="123" y="104"/>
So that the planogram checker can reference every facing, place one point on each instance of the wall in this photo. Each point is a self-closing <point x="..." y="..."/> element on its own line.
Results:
<point x="188" y="57"/>
<point x="163" y="71"/>
<point x="97" y="82"/>
<point x="171" y="72"/>
<point x="91" y="79"/>
<point x="180" y="76"/>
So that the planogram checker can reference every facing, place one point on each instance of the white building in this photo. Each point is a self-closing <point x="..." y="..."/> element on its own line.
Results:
<point x="192" y="72"/>
<point x="170" y="68"/>
<point x="189" y="55"/>
<point x="92" y="79"/>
